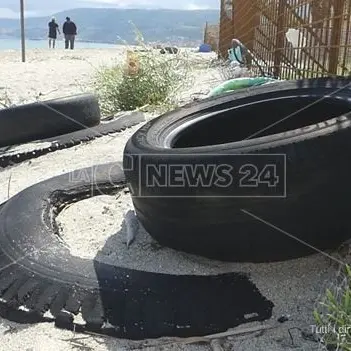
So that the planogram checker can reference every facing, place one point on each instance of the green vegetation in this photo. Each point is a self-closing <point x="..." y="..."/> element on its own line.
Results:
<point x="334" y="314"/>
<point x="153" y="85"/>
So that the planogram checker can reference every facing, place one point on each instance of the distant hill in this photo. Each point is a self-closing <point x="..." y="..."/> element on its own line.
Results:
<point x="107" y="25"/>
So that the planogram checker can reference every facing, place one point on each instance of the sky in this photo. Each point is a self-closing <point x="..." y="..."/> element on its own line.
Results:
<point x="10" y="8"/>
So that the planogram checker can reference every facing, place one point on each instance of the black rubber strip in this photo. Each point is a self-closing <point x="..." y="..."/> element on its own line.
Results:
<point x="65" y="141"/>
<point x="39" y="274"/>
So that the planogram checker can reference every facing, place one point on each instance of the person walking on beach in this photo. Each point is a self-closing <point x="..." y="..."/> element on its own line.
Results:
<point x="53" y="30"/>
<point x="70" y="32"/>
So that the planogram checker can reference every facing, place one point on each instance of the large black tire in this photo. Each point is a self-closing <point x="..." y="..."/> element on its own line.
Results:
<point x="38" y="272"/>
<point x="11" y="156"/>
<point x="40" y="120"/>
<point x="316" y="142"/>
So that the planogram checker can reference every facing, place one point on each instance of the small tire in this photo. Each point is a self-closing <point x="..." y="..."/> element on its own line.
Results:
<point x="217" y="223"/>
<point x="40" y="120"/>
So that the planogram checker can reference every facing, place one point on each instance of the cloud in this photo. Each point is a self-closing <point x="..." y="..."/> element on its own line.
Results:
<point x="8" y="13"/>
<point x="10" y="8"/>
<point x="193" y="7"/>
<point x="169" y="4"/>
<point x="120" y="3"/>
<point x="123" y="3"/>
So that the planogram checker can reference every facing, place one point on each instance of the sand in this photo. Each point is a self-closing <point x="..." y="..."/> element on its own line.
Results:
<point x="55" y="73"/>
<point x="294" y="286"/>
<point x="50" y="73"/>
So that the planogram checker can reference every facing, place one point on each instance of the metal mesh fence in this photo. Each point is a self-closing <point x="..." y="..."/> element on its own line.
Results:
<point x="291" y="38"/>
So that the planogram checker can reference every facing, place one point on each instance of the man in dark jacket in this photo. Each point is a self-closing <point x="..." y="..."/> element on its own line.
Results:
<point x="70" y="32"/>
<point x="53" y="30"/>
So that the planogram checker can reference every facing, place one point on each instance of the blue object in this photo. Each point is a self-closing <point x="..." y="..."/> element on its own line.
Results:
<point x="205" y="48"/>
<point x="237" y="52"/>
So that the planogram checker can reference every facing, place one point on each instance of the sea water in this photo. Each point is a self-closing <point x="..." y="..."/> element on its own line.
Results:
<point x="15" y="44"/>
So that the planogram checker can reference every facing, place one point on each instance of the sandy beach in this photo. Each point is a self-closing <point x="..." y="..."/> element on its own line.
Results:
<point x="293" y="286"/>
<point x="50" y="73"/>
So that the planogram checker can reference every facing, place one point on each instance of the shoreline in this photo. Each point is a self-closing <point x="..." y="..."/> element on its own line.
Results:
<point x="43" y="39"/>
<point x="95" y="44"/>
<point x="39" y="44"/>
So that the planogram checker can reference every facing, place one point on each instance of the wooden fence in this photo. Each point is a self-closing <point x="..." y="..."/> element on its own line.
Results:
<point x="291" y="38"/>
<point x="211" y="36"/>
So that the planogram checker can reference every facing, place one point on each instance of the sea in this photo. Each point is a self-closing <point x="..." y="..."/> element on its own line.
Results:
<point x="15" y="44"/>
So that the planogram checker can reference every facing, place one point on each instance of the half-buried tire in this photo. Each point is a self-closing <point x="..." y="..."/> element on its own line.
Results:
<point x="38" y="274"/>
<point x="16" y="154"/>
<point x="277" y="157"/>
<point x="45" y="119"/>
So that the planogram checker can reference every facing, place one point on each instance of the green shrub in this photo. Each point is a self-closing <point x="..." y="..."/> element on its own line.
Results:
<point x="154" y="85"/>
<point x="334" y="314"/>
